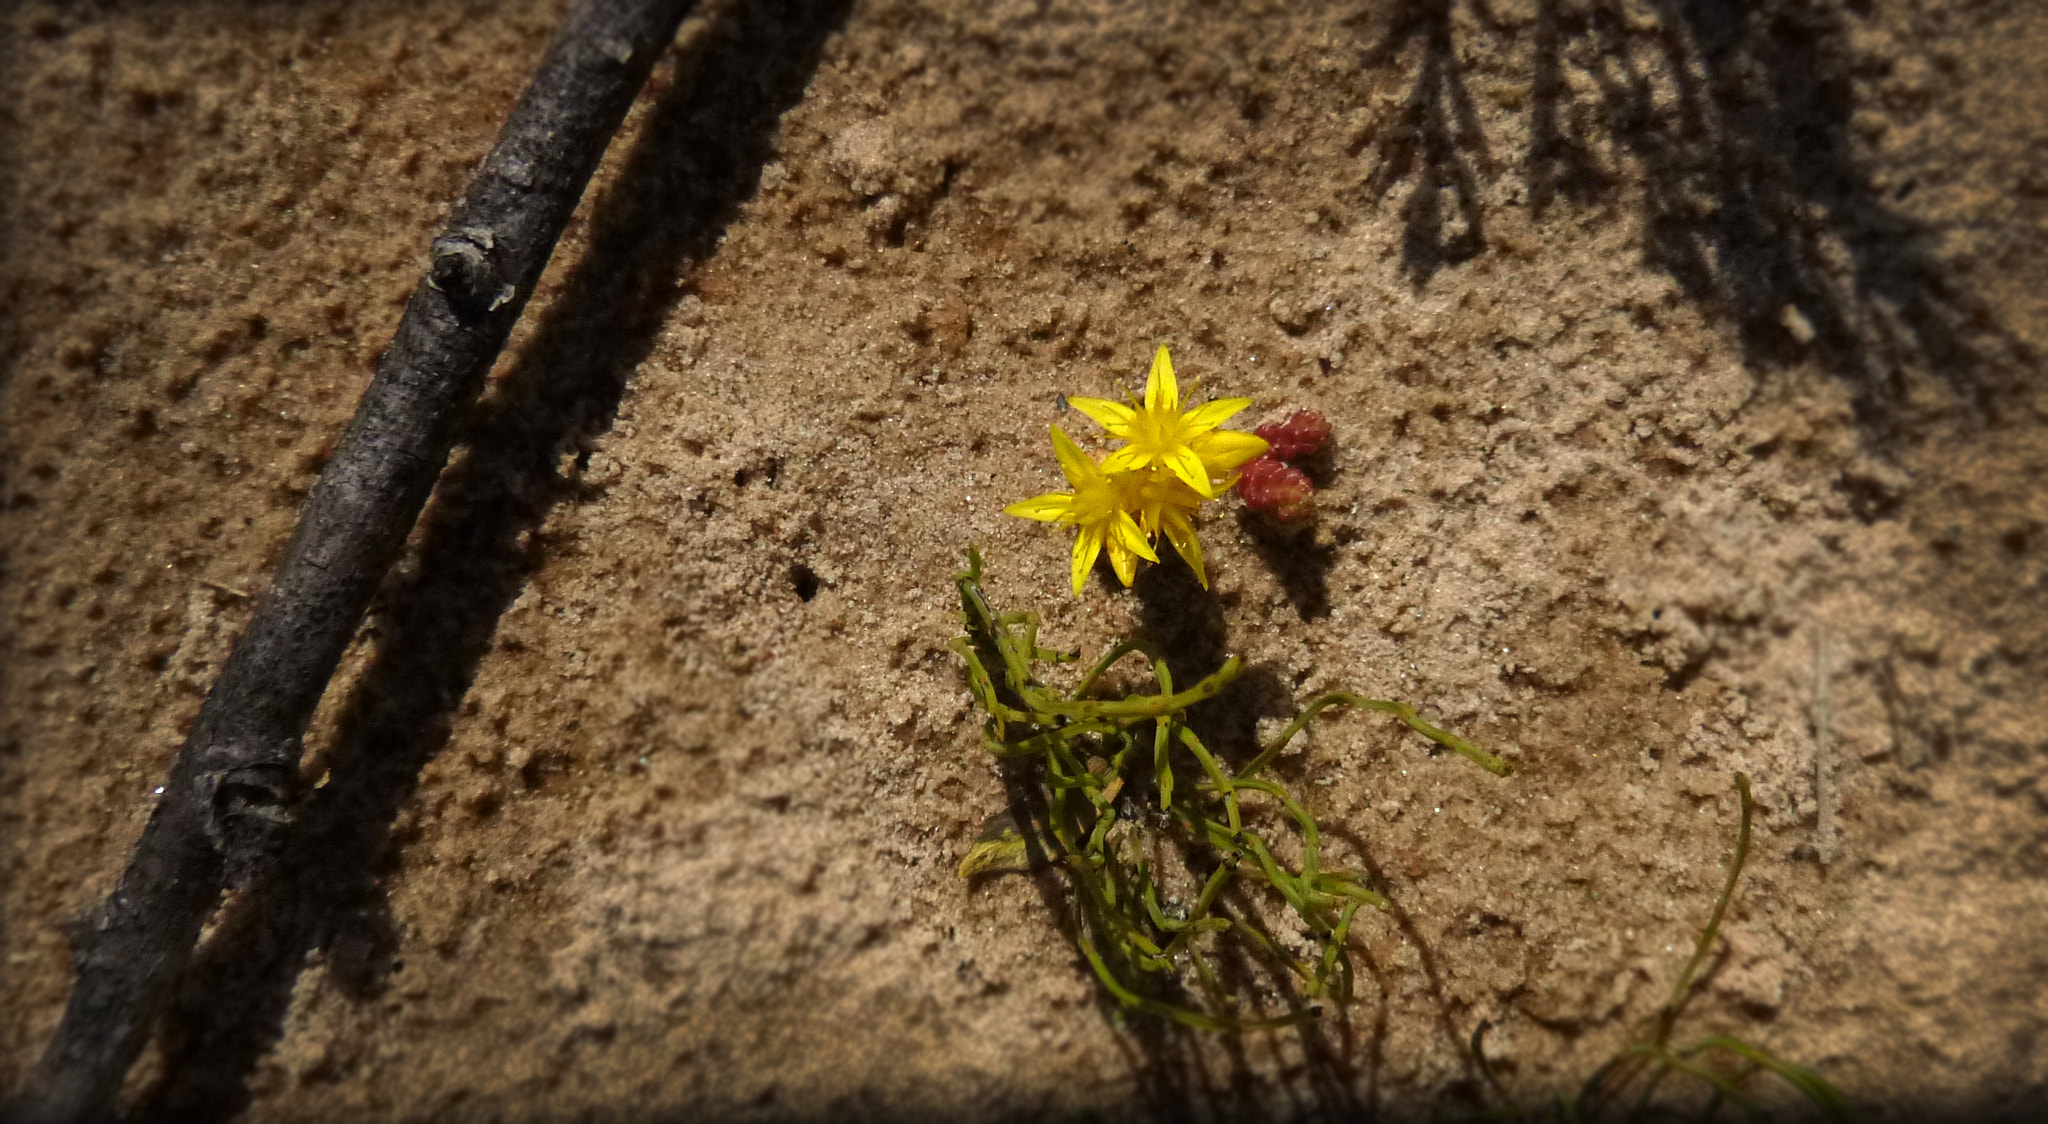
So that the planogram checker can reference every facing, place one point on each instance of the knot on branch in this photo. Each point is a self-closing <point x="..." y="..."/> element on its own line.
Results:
<point x="464" y="271"/>
<point x="248" y="811"/>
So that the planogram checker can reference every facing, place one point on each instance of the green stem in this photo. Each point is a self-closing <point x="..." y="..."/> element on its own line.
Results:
<point x="1108" y="660"/>
<point x="1682" y="989"/>
<point x="1142" y="706"/>
<point x="1400" y="710"/>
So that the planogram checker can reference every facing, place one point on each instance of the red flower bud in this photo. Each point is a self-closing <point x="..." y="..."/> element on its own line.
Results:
<point x="1298" y="436"/>
<point x="1272" y="487"/>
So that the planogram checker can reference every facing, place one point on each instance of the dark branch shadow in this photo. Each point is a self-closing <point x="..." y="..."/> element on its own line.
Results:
<point x="697" y="161"/>
<point x="1436" y="139"/>
<point x="1737" y="118"/>
<point x="1375" y="1049"/>
<point x="1561" y="160"/>
<point x="1801" y="250"/>
<point x="1183" y="620"/>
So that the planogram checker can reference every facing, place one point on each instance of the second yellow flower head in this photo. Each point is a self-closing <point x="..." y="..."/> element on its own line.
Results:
<point x="1171" y="463"/>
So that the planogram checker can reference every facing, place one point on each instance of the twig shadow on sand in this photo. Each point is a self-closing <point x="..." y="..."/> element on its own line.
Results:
<point x="1736" y="119"/>
<point x="697" y="160"/>
<point x="1436" y="139"/>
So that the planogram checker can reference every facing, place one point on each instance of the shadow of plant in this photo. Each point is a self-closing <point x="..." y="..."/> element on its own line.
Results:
<point x="1735" y="116"/>
<point x="1295" y="556"/>
<point x="697" y="160"/>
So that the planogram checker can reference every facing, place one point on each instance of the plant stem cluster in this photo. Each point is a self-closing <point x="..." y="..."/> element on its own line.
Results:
<point x="1110" y="799"/>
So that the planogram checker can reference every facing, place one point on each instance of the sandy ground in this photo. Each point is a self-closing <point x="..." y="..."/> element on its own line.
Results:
<point x="1684" y="363"/>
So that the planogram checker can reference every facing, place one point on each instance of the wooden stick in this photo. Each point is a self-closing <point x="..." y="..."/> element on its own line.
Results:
<point x="219" y="822"/>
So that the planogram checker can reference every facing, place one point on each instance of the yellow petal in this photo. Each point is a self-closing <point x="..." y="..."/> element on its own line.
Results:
<point x="1123" y="562"/>
<point x="1162" y="393"/>
<point x="1224" y="449"/>
<point x="1183" y="462"/>
<point x="1125" y="532"/>
<point x="1079" y="469"/>
<point x="1130" y="458"/>
<point x="1112" y="416"/>
<point x="1051" y="507"/>
<point x="1087" y="547"/>
<point x="1181" y="534"/>
<point x="1175" y="494"/>
<point x="1153" y="489"/>
<point x="1209" y="415"/>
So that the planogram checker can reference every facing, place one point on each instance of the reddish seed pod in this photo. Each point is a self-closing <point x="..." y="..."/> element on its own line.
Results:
<point x="1272" y="487"/>
<point x="1298" y="436"/>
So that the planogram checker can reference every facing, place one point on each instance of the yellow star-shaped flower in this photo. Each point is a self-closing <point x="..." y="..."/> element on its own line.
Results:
<point x="1096" y="508"/>
<point x="1158" y="433"/>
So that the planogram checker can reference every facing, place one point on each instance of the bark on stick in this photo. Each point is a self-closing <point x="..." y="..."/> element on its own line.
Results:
<point x="220" y="820"/>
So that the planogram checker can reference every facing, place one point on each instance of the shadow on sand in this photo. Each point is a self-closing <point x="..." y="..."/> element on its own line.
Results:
<point x="1735" y="118"/>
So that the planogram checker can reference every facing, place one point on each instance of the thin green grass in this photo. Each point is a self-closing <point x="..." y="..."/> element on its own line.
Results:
<point x="1120" y="782"/>
<point x="1724" y="1064"/>
<point x="1124" y="781"/>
